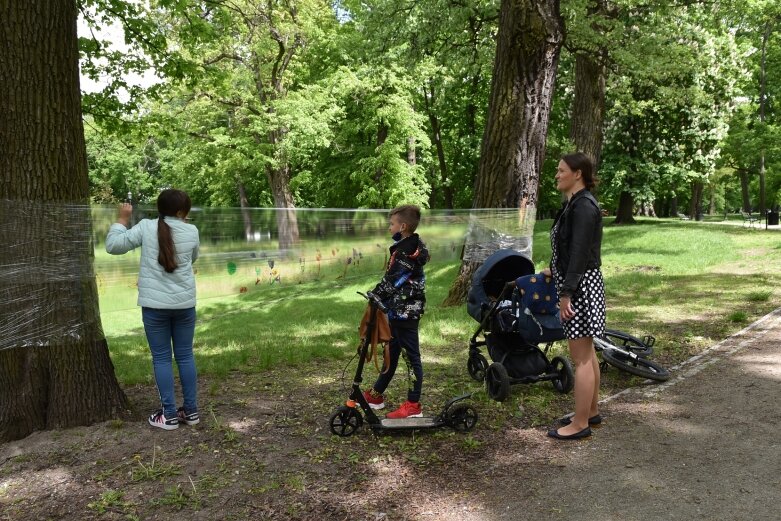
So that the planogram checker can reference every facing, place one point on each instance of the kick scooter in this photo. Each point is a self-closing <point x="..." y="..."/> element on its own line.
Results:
<point x="347" y="418"/>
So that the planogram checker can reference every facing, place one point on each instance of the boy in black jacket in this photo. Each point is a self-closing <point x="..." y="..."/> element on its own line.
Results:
<point x="403" y="291"/>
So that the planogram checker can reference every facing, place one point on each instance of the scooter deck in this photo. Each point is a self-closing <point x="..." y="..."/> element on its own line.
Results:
<point x="425" y="422"/>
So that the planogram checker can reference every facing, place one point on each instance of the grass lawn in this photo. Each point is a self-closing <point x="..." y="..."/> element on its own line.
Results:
<point x="275" y="361"/>
<point x="687" y="284"/>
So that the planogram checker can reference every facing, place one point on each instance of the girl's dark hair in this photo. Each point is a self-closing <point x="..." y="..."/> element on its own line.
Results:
<point x="580" y="161"/>
<point x="169" y="203"/>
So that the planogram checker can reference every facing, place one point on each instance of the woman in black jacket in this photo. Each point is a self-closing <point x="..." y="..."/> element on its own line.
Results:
<point x="576" y="241"/>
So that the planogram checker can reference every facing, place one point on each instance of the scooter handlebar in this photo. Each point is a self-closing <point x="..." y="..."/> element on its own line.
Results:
<point x="374" y="300"/>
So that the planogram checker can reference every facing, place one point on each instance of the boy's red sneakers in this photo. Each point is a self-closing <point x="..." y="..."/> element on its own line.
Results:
<point x="408" y="409"/>
<point x="376" y="401"/>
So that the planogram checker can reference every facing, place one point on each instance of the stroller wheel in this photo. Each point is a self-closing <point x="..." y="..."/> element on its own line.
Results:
<point x="345" y="421"/>
<point x="497" y="382"/>
<point x="477" y="365"/>
<point x="566" y="377"/>
<point x="462" y="417"/>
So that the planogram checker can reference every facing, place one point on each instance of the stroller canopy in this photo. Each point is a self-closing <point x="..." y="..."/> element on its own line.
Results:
<point x="499" y="268"/>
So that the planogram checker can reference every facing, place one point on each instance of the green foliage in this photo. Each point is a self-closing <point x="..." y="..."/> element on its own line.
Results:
<point x="334" y="99"/>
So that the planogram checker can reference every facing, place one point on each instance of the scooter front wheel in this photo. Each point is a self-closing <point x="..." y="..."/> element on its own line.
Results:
<point x="345" y="421"/>
<point x="462" y="417"/>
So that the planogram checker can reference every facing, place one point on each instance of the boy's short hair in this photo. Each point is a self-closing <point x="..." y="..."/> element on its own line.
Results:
<point x="409" y="214"/>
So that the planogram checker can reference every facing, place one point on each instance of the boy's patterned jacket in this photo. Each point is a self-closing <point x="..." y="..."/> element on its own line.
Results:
<point x="403" y="287"/>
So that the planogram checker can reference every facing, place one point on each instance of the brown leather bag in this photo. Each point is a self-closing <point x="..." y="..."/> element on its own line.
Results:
<point x="380" y="335"/>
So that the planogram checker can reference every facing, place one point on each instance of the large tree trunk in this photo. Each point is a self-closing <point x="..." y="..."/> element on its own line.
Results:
<point x="279" y="180"/>
<point x="287" y="221"/>
<point x="55" y="369"/>
<point x="529" y="41"/>
<point x="588" y="108"/>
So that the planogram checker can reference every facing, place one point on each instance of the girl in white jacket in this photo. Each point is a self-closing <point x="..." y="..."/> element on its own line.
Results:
<point x="166" y="294"/>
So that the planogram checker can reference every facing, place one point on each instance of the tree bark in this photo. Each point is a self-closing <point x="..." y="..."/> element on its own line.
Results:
<point x="245" y="213"/>
<point x="744" y="190"/>
<point x="626" y="203"/>
<point x="588" y="108"/>
<point x="762" y="103"/>
<point x="436" y="138"/>
<point x="695" y="204"/>
<point x="382" y="136"/>
<point x="411" y="158"/>
<point x="286" y="218"/>
<point x="278" y="177"/>
<point x="531" y="33"/>
<point x="55" y="369"/>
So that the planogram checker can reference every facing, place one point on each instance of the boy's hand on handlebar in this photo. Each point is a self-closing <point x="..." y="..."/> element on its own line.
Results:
<point x="376" y="300"/>
<point x="125" y="211"/>
<point x="565" y="308"/>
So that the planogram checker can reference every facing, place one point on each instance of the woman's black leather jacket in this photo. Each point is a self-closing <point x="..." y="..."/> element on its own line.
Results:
<point x="579" y="240"/>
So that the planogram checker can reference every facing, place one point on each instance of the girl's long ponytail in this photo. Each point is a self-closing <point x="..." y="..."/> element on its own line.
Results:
<point x="167" y="256"/>
<point x="170" y="203"/>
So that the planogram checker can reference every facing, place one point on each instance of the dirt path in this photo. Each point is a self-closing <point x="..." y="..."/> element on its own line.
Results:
<point x="702" y="446"/>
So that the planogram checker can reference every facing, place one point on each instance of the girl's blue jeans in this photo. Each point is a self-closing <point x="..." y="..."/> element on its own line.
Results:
<point x="166" y="328"/>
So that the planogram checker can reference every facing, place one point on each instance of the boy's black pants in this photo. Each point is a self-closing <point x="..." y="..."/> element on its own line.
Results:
<point x="405" y="336"/>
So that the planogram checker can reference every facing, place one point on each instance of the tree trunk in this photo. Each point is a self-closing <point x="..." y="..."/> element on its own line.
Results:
<point x="588" y="109"/>
<point x="436" y="138"/>
<point x="287" y="221"/>
<point x="695" y="205"/>
<point x="245" y="213"/>
<point x="744" y="190"/>
<point x="55" y="369"/>
<point x="411" y="159"/>
<point x="674" y="206"/>
<point x="762" y="103"/>
<point x="279" y="180"/>
<point x="530" y="37"/>
<point x="626" y="204"/>
<point x="382" y="136"/>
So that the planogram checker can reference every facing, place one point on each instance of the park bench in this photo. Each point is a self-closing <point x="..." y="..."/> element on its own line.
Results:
<point x="683" y="216"/>
<point x="748" y="219"/>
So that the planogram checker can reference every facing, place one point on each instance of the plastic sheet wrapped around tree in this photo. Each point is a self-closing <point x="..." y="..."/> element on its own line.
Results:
<point x="491" y="230"/>
<point x="38" y="267"/>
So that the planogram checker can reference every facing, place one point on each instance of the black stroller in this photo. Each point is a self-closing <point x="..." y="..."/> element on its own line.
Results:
<point x="517" y="358"/>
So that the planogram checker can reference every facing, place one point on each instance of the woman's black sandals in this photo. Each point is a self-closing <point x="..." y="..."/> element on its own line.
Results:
<point x="553" y="433"/>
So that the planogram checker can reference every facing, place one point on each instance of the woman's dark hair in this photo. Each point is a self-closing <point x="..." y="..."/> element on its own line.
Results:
<point x="580" y="161"/>
<point x="169" y="203"/>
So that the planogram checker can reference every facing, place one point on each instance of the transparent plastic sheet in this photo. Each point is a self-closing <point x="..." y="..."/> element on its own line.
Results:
<point x="240" y="255"/>
<point x="46" y="253"/>
<point x="496" y="229"/>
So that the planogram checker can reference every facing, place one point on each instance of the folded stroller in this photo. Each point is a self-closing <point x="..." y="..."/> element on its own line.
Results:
<point x="512" y="331"/>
